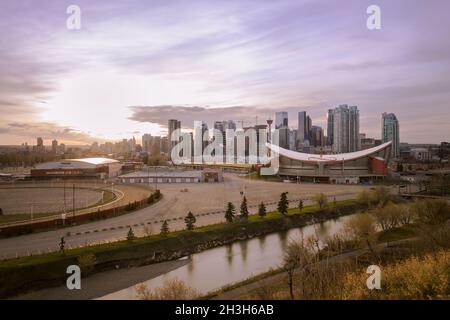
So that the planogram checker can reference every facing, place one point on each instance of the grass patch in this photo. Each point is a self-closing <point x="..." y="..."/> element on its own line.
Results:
<point x="395" y="234"/>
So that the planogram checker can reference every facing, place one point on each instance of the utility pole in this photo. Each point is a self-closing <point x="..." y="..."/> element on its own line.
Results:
<point x="73" y="201"/>
<point x="64" y="195"/>
<point x="156" y="180"/>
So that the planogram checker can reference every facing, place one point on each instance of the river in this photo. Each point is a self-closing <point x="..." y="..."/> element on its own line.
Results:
<point x="212" y="269"/>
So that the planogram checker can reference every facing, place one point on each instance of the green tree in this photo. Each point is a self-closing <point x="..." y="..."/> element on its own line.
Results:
<point x="157" y="194"/>
<point x="283" y="204"/>
<point x="300" y="206"/>
<point x="190" y="221"/>
<point x="262" y="210"/>
<point x="164" y="229"/>
<point x="62" y="245"/>
<point x="230" y="212"/>
<point x="150" y="199"/>
<point x="244" y="209"/>
<point x="130" y="235"/>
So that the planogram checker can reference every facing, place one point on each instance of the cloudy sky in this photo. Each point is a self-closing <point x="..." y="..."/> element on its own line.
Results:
<point x="135" y="64"/>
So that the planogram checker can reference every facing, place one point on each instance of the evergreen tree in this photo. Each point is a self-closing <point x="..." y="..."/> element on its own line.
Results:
<point x="130" y="235"/>
<point x="190" y="221"/>
<point x="300" y="205"/>
<point x="62" y="245"/>
<point x="229" y="214"/>
<point x="244" y="209"/>
<point x="283" y="204"/>
<point x="262" y="210"/>
<point x="164" y="229"/>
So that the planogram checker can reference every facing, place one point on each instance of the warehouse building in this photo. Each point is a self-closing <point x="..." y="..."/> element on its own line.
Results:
<point x="78" y="168"/>
<point x="192" y="176"/>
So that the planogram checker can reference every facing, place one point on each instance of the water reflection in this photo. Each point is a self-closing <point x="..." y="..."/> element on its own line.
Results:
<point x="229" y="254"/>
<point x="244" y="246"/>
<point x="217" y="267"/>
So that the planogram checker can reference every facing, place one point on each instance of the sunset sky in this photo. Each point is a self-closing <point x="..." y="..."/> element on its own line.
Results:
<point x="135" y="64"/>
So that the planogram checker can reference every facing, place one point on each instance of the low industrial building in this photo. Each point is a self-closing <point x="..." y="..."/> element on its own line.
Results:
<point x="78" y="168"/>
<point x="345" y="168"/>
<point x="192" y="176"/>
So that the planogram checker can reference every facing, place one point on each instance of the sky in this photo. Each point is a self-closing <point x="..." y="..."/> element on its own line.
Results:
<point x="135" y="64"/>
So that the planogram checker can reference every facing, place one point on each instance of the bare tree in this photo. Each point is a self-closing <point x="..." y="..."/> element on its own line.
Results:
<point x="296" y="256"/>
<point x="361" y="228"/>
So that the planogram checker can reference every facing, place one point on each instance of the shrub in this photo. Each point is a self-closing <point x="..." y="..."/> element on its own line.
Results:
<point x="172" y="289"/>
<point x="321" y="200"/>
<point x="414" y="278"/>
<point x="130" y="235"/>
<point x="381" y="195"/>
<point x="87" y="263"/>
<point x="364" y="198"/>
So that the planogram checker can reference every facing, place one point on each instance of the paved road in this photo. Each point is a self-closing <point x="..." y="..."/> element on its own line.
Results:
<point x="206" y="200"/>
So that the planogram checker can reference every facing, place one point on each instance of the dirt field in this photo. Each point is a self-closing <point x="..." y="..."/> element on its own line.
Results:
<point x="45" y="200"/>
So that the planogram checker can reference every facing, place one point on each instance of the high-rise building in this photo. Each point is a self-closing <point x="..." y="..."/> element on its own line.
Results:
<point x="282" y="125"/>
<point x="345" y="129"/>
<point x="330" y="127"/>
<point x="281" y="119"/>
<point x="173" y="125"/>
<point x="317" y="139"/>
<point x="40" y="145"/>
<point x="302" y="127"/>
<point x="146" y="142"/>
<point x="390" y="132"/>
<point x="54" y="146"/>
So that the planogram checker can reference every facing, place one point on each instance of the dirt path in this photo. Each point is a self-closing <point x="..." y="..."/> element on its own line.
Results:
<point x="104" y="283"/>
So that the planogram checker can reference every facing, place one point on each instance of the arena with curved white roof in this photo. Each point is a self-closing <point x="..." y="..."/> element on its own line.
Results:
<point x="354" y="167"/>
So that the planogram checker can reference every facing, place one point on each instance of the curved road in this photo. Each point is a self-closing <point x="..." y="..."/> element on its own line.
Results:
<point x="205" y="200"/>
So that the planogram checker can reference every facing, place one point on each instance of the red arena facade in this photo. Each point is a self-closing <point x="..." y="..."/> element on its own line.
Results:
<point x="345" y="168"/>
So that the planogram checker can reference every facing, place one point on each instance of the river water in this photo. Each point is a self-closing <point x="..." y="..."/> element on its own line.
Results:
<point x="214" y="268"/>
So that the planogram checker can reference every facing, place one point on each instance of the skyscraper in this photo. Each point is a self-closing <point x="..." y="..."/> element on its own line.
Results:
<point x="316" y="136"/>
<point x="40" y="145"/>
<point x="302" y="128"/>
<point x="54" y="146"/>
<point x="281" y="123"/>
<point x="281" y="119"/>
<point x="345" y="129"/>
<point x="390" y="132"/>
<point x="330" y="127"/>
<point x="303" y="131"/>
<point x="173" y="125"/>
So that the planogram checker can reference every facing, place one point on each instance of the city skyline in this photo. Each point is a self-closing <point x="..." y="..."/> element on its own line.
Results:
<point x="128" y="70"/>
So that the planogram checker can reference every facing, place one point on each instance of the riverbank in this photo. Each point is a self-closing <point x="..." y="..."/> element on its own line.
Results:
<point x="37" y="272"/>
<point x="386" y="239"/>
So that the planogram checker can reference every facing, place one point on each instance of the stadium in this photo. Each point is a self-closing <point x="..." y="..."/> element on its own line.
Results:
<point x="345" y="168"/>
<point x="78" y="168"/>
